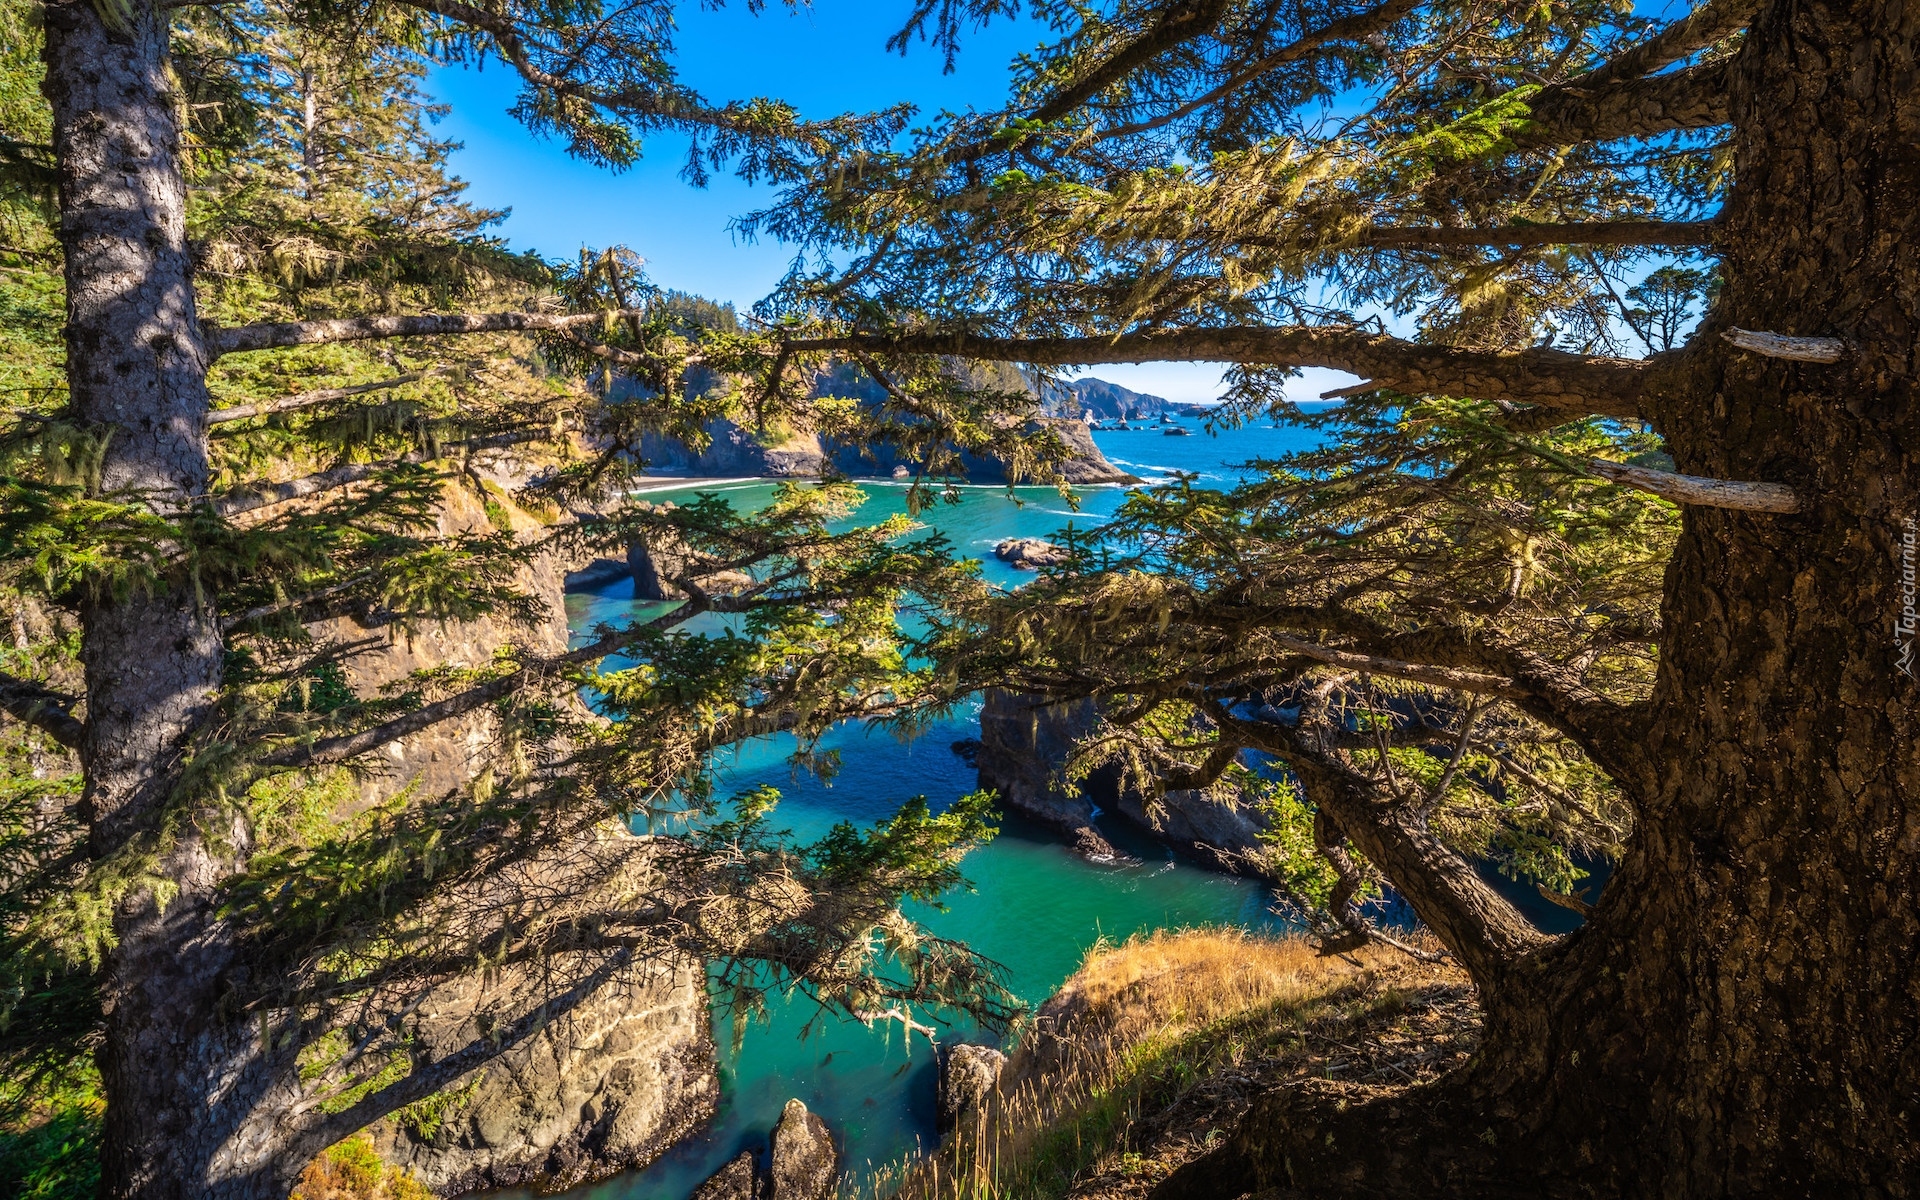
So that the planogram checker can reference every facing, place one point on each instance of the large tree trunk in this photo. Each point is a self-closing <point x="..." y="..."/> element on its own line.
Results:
<point x="183" y="1080"/>
<point x="1741" y="1017"/>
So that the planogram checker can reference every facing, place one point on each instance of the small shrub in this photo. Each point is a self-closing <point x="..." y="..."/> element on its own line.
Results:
<point x="352" y="1170"/>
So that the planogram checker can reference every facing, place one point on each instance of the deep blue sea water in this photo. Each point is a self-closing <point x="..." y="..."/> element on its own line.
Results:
<point x="1034" y="907"/>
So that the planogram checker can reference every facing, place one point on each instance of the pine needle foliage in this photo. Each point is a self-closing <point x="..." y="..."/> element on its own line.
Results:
<point x="333" y="529"/>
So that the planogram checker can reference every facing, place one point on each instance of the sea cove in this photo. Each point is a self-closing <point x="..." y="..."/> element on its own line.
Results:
<point x="1037" y="906"/>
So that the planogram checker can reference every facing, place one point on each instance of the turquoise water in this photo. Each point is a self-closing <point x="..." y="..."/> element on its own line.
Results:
<point x="1035" y="907"/>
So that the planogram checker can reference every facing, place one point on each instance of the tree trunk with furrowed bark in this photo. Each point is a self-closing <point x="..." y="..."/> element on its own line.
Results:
<point x="186" y="1087"/>
<point x="1741" y="1016"/>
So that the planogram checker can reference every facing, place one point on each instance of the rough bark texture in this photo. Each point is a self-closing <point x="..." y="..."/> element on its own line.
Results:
<point x="202" y="1102"/>
<point x="1741" y="1016"/>
<point x="137" y="365"/>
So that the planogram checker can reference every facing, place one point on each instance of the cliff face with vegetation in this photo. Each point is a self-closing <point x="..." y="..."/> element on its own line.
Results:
<point x="613" y="1083"/>
<point x="607" y="1088"/>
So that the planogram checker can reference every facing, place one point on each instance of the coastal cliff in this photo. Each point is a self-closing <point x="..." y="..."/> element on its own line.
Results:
<point x="1024" y="746"/>
<point x="617" y="1080"/>
<point x="734" y="451"/>
<point x="608" y="1087"/>
<point x="1159" y="1045"/>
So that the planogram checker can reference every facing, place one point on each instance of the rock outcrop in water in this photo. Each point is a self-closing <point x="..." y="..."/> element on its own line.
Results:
<point x="967" y="1077"/>
<point x="1029" y="553"/>
<point x="1023" y="743"/>
<point x="740" y="1179"/>
<point x="805" y="1162"/>
<point x="1024" y="746"/>
<point x="803" y="1165"/>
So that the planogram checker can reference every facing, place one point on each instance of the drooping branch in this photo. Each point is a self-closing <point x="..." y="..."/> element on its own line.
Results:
<point x="1347" y="29"/>
<point x="41" y="707"/>
<point x="1210" y="769"/>
<point x="255" y="496"/>
<point x="241" y="412"/>
<point x="1179" y="22"/>
<point x="1445" y="677"/>
<point x="279" y="335"/>
<point x="1701" y="491"/>
<point x="667" y="104"/>
<point x="352" y="745"/>
<point x="1608" y="731"/>
<point x="1476" y="923"/>
<point x="1549" y="378"/>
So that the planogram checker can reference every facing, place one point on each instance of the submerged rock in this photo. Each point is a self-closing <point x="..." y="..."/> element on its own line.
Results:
<point x="804" y="1158"/>
<point x="738" y="1180"/>
<point x="967" y="1074"/>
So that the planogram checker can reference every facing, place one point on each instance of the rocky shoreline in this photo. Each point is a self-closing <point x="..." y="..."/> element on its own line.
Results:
<point x="734" y="451"/>
<point x="1023" y="749"/>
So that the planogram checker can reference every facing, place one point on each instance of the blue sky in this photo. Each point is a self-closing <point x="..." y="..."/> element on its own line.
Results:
<point x="825" y="59"/>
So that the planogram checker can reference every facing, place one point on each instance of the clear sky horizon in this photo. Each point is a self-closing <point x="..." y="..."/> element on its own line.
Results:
<point x="826" y="59"/>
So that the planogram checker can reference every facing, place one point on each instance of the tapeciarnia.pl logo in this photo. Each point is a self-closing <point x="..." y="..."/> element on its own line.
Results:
<point x="1905" y="629"/>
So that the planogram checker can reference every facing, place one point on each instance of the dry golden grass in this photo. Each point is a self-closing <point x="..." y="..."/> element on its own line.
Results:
<point x="1152" y="1050"/>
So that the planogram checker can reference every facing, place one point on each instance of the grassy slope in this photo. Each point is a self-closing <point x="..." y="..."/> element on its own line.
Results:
<point x="1155" y="1048"/>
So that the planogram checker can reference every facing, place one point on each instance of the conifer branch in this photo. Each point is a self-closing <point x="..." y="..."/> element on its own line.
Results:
<point x="1699" y="490"/>
<point x="1179" y="22"/>
<point x="1550" y="378"/>
<point x="280" y="335"/>
<point x="1353" y="28"/>
<point x="1705" y="25"/>
<point x="1589" y="233"/>
<point x="1574" y="112"/>
<point x="666" y="103"/>
<point x="1793" y="349"/>
<point x="1485" y="932"/>
<point x="1369" y="664"/>
<point x="41" y="707"/>
<point x="241" y="412"/>
<point x="249" y="497"/>
<point x="352" y="745"/>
